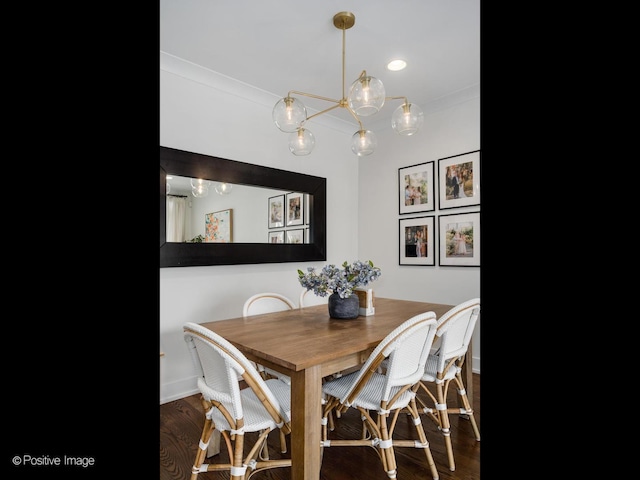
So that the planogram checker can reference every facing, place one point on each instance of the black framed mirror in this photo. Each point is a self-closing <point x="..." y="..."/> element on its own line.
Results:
<point x="196" y="165"/>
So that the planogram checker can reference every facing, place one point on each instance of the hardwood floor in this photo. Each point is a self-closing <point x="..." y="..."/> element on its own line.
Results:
<point x="181" y="425"/>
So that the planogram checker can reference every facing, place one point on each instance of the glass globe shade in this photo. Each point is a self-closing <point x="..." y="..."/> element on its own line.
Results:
<point x="288" y="114"/>
<point x="223" y="188"/>
<point x="199" y="182"/>
<point x="407" y="119"/>
<point x="200" y="191"/>
<point x="366" y="96"/>
<point x="363" y="142"/>
<point x="301" y="142"/>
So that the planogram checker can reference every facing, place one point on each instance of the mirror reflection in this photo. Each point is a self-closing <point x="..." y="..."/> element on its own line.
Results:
<point x="296" y="240"/>
<point x="207" y="211"/>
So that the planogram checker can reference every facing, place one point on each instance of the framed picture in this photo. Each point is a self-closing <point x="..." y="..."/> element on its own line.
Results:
<point x="295" y="236"/>
<point x="276" y="237"/>
<point x="276" y="211"/>
<point x="416" y="188"/>
<point x="218" y="226"/>
<point x="459" y="239"/>
<point x="306" y="209"/>
<point x="417" y="241"/>
<point x="306" y="235"/>
<point x="459" y="180"/>
<point x="295" y="208"/>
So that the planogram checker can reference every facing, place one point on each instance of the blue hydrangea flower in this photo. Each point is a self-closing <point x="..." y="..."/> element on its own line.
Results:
<point x="332" y="279"/>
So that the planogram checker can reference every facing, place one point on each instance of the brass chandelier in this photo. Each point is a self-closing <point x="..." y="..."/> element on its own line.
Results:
<point x="366" y="97"/>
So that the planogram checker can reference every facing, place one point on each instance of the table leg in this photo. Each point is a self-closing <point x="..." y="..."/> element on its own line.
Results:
<point x="306" y="413"/>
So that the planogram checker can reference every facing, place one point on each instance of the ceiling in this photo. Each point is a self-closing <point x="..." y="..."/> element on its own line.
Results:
<point x="284" y="45"/>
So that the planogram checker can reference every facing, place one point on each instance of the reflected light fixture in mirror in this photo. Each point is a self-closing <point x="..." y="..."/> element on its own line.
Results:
<point x="199" y="187"/>
<point x="223" y="188"/>
<point x="366" y="97"/>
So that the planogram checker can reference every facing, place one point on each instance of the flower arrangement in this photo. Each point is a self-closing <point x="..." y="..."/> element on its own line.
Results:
<point x="342" y="281"/>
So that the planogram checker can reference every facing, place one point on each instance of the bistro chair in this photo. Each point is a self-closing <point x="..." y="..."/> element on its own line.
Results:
<point x="308" y="298"/>
<point x="268" y="302"/>
<point x="444" y="364"/>
<point x="233" y="409"/>
<point x="386" y="392"/>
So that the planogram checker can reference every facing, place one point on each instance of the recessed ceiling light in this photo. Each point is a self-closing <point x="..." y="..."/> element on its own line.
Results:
<point x="395" y="65"/>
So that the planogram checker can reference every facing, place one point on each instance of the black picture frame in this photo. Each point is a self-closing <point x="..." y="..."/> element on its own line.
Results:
<point x="294" y="208"/>
<point x="276" y="236"/>
<point x="416" y="188"/>
<point x="464" y="165"/>
<point x="295" y="236"/>
<point x="275" y="212"/>
<point x="410" y="229"/>
<point x="459" y="239"/>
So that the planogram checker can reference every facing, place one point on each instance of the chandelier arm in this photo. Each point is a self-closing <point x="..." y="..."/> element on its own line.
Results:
<point x="397" y="98"/>
<point x="323" y="111"/>
<point x="311" y="95"/>
<point x="354" y="116"/>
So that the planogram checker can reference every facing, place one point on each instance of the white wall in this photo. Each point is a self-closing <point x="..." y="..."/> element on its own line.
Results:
<point x="445" y="132"/>
<point x="203" y="112"/>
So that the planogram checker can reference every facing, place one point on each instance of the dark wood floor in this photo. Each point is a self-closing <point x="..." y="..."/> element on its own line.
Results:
<point x="181" y="425"/>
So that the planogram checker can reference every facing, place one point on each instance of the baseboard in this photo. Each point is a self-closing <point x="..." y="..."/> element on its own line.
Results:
<point x="475" y="364"/>
<point x="177" y="390"/>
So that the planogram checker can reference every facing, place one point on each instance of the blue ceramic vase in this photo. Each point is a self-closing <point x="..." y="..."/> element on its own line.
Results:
<point x="343" y="307"/>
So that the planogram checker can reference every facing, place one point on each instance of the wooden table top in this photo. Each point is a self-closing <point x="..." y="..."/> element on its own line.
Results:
<point x="301" y="338"/>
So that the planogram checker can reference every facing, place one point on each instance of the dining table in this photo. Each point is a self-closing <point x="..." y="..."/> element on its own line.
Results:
<point x="307" y="345"/>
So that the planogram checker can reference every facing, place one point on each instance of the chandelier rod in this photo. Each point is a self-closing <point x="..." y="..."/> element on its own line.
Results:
<point x="343" y="21"/>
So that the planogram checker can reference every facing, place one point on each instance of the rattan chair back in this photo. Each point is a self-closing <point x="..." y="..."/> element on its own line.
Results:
<point x="237" y="401"/>
<point x="385" y="391"/>
<point x="453" y="335"/>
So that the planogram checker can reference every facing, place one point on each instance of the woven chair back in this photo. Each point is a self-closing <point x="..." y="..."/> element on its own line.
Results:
<point x="266" y="302"/>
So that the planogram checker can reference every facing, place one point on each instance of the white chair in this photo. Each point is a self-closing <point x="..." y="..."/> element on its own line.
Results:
<point x="308" y="298"/>
<point x="405" y="349"/>
<point x="268" y="302"/>
<point x="261" y="407"/>
<point x="444" y="364"/>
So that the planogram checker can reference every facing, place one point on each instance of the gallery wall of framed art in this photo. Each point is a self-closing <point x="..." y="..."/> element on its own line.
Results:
<point x="289" y="214"/>
<point x="454" y="236"/>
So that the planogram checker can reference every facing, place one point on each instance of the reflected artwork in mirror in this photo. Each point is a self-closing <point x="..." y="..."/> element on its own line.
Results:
<point x="208" y="184"/>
